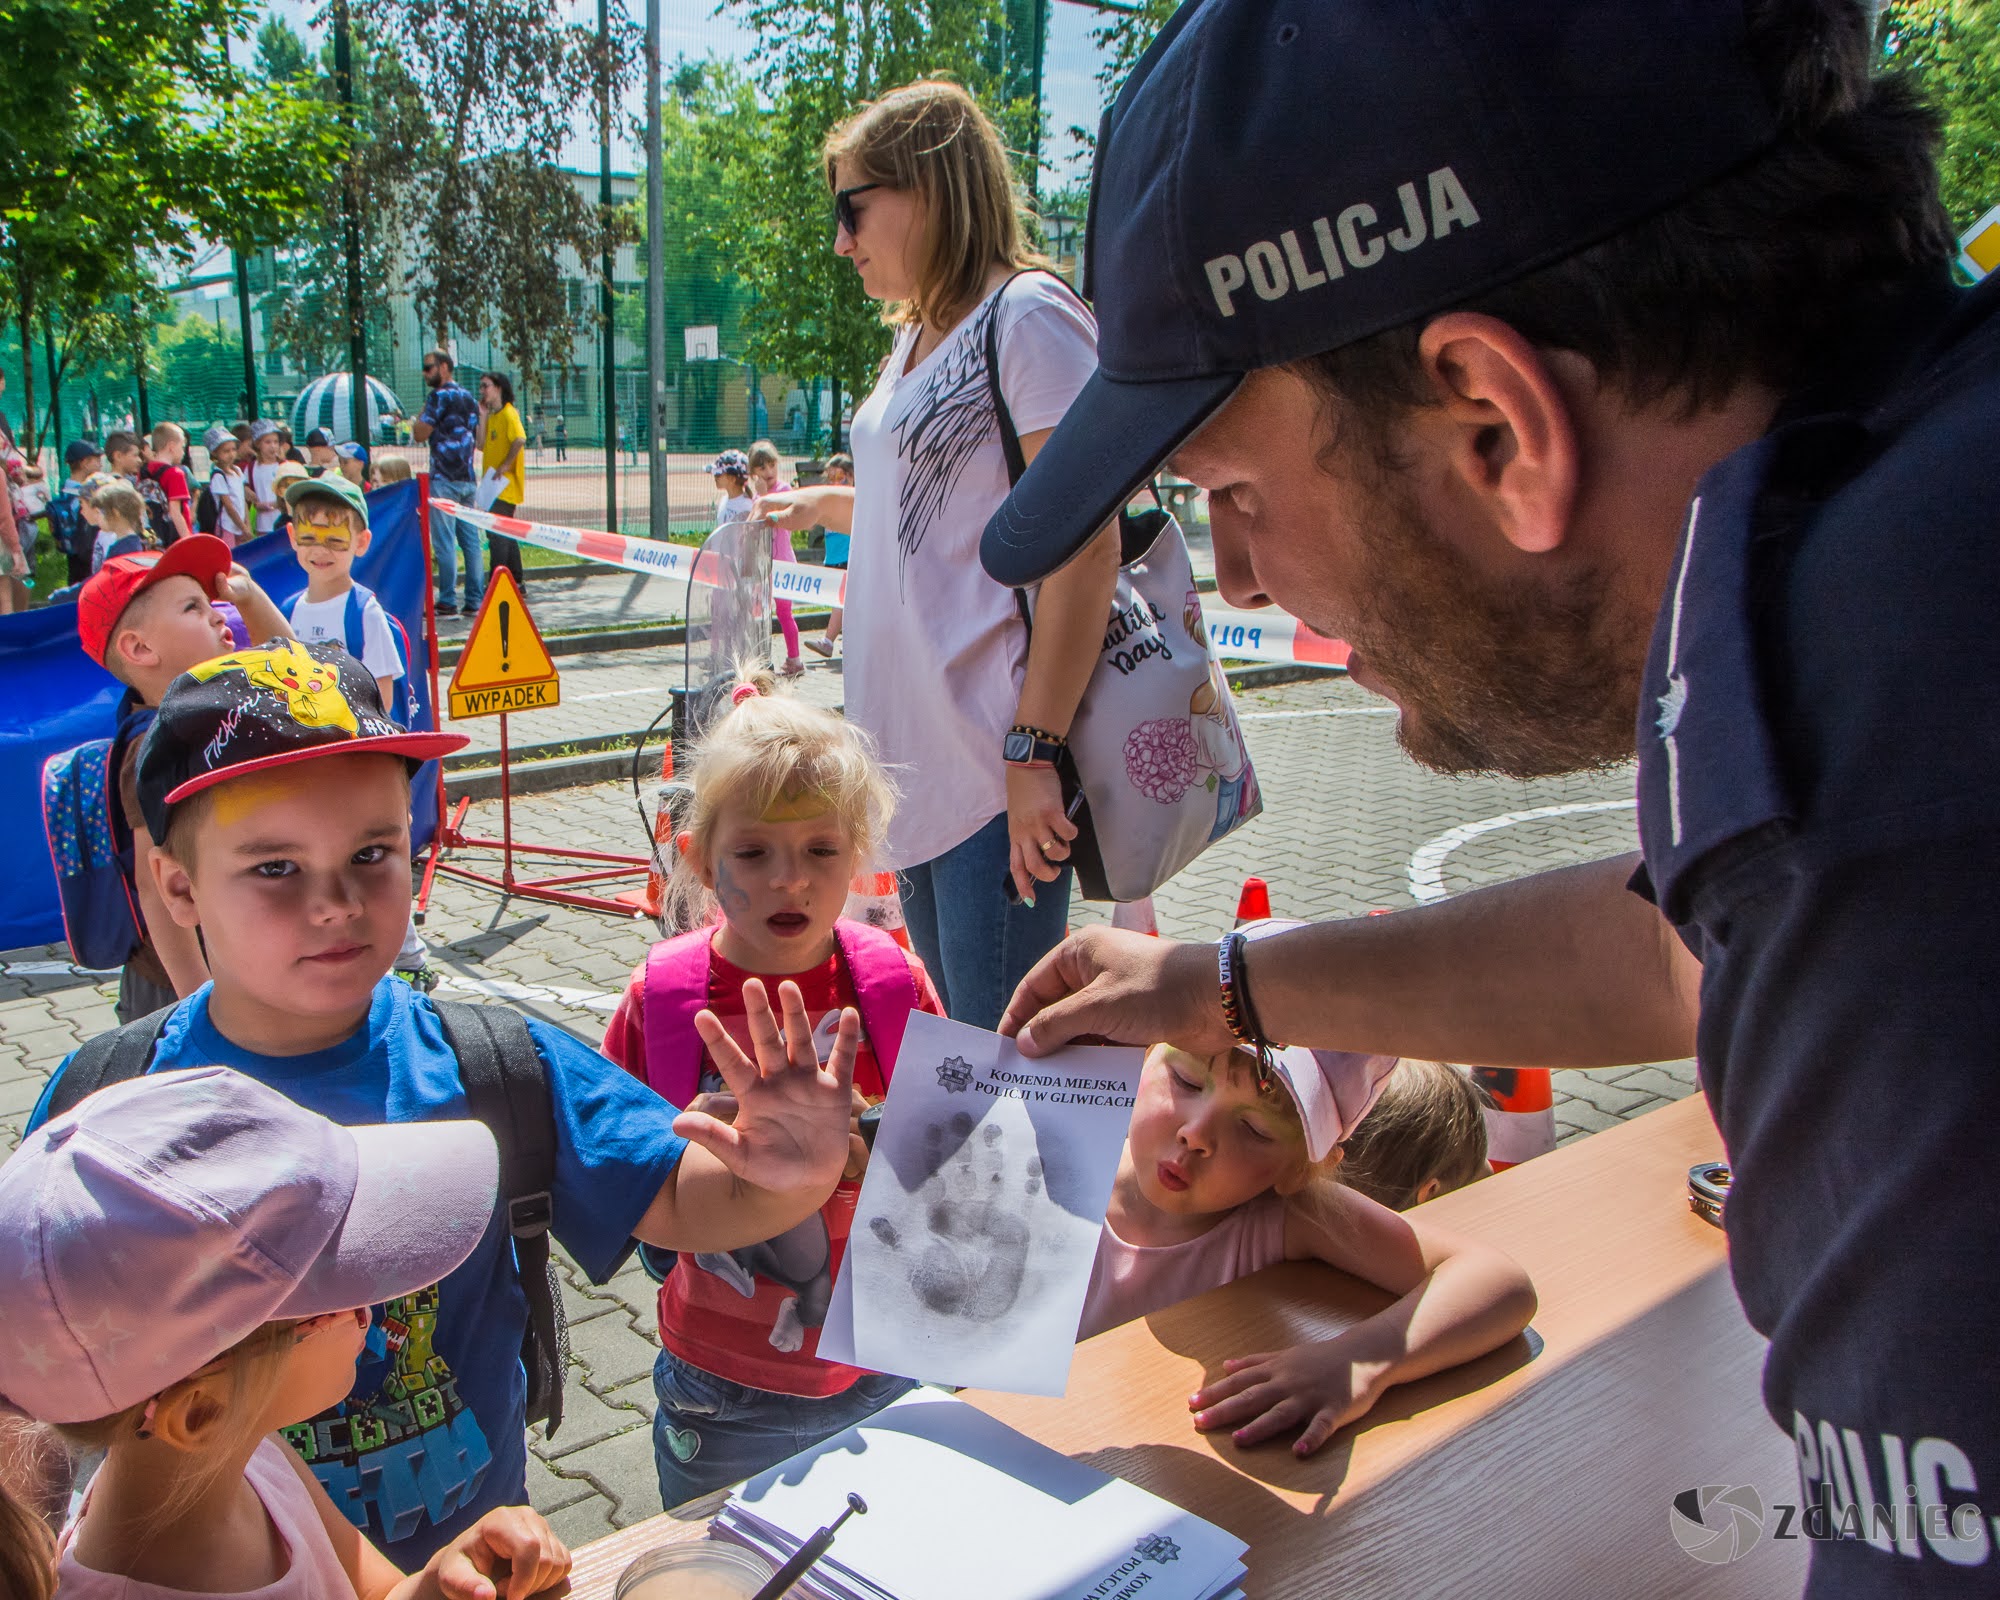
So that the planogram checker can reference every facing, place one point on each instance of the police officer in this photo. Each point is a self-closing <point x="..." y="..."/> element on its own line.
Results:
<point x="1599" y="374"/>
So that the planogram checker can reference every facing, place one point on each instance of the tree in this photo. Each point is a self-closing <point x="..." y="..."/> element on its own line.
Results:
<point x="816" y="62"/>
<point x="1952" y="47"/>
<point x="198" y="371"/>
<point x="125" y="142"/>
<point x="503" y="79"/>
<point x="394" y="134"/>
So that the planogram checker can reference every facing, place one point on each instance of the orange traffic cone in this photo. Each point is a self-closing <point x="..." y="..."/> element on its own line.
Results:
<point x="1254" y="902"/>
<point x="1524" y="1126"/>
<point x="1136" y="915"/>
<point x="651" y="901"/>
<point x="872" y="898"/>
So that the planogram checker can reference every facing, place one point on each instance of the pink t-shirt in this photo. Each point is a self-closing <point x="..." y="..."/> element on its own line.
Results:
<point x="1131" y="1280"/>
<point x="315" y="1572"/>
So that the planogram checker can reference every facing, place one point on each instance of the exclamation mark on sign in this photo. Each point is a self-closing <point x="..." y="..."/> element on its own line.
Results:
<point x="505" y="609"/>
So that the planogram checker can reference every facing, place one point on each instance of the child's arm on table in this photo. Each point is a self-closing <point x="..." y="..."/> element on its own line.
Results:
<point x="777" y="1160"/>
<point x="510" y="1552"/>
<point x="1460" y="1299"/>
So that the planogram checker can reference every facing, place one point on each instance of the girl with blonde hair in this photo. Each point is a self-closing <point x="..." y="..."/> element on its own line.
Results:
<point x="789" y="803"/>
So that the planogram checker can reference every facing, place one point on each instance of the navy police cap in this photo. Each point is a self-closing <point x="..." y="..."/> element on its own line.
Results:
<point x="1283" y="177"/>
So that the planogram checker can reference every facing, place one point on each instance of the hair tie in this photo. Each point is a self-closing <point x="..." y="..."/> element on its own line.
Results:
<point x="742" y="692"/>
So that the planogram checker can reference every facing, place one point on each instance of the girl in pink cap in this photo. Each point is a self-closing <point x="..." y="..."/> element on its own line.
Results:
<point x="187" y="1262"/>
<point x="1229" y="1168"/>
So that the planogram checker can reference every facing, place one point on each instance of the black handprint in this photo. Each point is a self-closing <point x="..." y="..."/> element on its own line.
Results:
<point x="975" y="1254"/>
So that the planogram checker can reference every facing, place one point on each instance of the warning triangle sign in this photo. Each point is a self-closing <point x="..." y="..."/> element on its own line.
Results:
<point x="505" y="652"/>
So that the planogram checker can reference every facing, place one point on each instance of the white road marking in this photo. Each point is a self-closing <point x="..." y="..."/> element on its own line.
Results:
<point x="1426" y="870"/>
<point x="1329" y="711"/>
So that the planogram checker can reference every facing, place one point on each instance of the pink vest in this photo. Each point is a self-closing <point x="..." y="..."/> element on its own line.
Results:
<point x="315" y="1572"/>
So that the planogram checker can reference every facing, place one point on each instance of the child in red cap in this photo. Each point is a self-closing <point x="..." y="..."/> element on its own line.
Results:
<point x="146" y="619"/>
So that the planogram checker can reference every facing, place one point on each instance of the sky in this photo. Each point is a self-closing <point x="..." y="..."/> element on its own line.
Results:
<point x="1070" y="92"/>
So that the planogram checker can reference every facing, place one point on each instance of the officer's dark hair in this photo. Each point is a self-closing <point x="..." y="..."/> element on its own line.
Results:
<point x="1757" y="277"/>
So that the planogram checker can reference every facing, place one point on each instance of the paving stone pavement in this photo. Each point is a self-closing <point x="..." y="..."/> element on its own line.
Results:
<point x="1346" y="823"/>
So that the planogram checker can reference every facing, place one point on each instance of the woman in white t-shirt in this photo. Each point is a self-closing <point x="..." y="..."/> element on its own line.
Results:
<point x="940" y="668"/>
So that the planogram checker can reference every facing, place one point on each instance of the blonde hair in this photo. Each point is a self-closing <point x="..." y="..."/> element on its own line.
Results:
<point x="767" y="749"/>
<point x="931" y="139"/>
<point x="392" y="469"/>
<point x="1429" y="1123"/>
<point x="763" y="454"/>
<point x="254" y="1367"/>
<point x="165" y="433"/>
<point x="34" y="1484"/>
<point x="122" y="501"/>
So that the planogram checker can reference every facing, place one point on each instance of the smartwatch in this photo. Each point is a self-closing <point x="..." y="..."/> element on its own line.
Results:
<point x="1031" y="747"/>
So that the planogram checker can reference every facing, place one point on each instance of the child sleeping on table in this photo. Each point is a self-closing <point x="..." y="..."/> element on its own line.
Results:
<point x="1229" y="1168"/>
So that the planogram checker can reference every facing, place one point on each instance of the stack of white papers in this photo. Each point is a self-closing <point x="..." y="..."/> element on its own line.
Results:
<point x="962" y="1506"/>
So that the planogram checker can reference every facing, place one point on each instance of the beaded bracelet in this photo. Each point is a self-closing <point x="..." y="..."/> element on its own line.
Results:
<point x="1238" y="1014"/>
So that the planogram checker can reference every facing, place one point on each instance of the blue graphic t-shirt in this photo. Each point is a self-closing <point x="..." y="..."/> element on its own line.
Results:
<point x="454" y="416"/>
<point x="433" y="1435"/>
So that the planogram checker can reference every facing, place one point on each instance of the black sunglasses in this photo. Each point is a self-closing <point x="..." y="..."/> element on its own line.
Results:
<point x="843" y="206"/>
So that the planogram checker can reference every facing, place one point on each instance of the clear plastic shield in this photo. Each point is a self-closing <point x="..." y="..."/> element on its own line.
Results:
<point x="729" y="614"/>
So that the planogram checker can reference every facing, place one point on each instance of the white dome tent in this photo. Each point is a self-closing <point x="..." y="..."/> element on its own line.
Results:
<point x="328" y="403"/>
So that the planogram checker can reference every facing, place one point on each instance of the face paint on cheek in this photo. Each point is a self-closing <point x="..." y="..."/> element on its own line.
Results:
<point x="730" y="895"/>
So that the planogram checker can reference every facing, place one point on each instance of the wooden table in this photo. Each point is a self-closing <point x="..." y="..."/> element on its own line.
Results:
<point x="1534" y="1473"/>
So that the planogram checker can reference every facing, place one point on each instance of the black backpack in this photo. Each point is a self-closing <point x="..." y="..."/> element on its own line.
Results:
<point x="207" y="514"/>
<point x="159" y="518"/>
<point x="506" y="1087"/>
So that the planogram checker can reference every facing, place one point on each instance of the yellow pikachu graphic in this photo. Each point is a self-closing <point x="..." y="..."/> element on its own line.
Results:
<point x="311" y="687"/>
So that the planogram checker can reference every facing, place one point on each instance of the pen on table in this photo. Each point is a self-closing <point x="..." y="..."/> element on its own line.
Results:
<point x="810" y="1551"/>
<point x="1014" y="896"/>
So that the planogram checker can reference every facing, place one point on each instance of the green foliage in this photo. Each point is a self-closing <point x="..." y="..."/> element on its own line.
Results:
<point x="125" y="135"/>
<point x="817" y="62"/>
<point x="1953" y="49"/>
<point x="198" y="373"/>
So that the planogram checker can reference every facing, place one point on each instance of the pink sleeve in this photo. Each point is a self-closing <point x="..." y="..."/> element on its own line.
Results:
<point x="625" y="1033"/>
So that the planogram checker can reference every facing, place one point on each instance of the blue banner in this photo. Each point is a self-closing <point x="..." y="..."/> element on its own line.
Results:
<point x="53" y="696"/>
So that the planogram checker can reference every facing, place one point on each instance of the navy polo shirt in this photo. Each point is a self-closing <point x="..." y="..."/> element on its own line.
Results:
<point x="1819" y="783"/>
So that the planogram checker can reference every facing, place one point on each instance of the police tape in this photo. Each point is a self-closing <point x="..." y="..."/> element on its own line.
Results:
<point x="1237" y="635"/>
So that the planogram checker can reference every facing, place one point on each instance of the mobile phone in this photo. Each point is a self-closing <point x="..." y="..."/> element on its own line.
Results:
<point x="1708" y="1190"/>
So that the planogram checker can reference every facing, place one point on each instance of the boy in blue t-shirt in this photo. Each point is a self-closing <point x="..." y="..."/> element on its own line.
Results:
<point x="278" y="793"/>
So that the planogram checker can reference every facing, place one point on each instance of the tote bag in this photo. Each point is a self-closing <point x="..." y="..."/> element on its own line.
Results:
<point x="1155" y="746"/>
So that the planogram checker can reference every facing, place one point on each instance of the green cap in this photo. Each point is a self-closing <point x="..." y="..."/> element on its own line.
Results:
<point x="334" y="487"/>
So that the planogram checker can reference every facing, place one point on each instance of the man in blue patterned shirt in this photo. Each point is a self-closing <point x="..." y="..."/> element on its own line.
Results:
<point x="448" y="423"/>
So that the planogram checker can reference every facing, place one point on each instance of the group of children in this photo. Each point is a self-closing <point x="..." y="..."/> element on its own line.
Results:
<point x="134" y="494"/>
<point x="343" y="1314"/>
<point x="742" y="478"/>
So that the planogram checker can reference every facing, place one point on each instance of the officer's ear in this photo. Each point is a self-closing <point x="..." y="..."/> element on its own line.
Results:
<point x="1507" y="431"/>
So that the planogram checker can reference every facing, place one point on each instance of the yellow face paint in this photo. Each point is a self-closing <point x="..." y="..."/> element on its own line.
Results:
<point x="240" y="798"/>
<point x="796" y="808"/>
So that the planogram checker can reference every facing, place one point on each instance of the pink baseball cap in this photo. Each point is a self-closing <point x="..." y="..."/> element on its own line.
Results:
<point x="165" y="1219"/>
<point x="1333" y="1090"/>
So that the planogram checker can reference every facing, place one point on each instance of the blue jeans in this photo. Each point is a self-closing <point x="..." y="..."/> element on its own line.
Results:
<point x="710" y="1432"/>
<point x="451" y="537"/>
<point x="976" y="946"/>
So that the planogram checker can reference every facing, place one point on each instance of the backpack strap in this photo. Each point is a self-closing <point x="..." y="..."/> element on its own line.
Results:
<point x="354" y="621"/>
<point x="676" y="988"/>
<point x="885" y="989"/>
<point x="507" y="1088"/>
<point x="118" y="1056"/>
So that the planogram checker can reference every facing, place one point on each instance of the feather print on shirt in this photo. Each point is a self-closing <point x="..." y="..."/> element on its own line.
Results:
<point x="950" y="418"/>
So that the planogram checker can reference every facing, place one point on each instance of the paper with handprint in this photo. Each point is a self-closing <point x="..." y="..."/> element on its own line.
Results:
<point x="979" y="1216"/>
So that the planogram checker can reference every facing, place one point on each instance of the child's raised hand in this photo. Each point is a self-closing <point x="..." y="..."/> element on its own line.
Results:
<point x="507" y="1554"/>
<point x="1316" y="1388"/>
<point x="791" y="1127"/>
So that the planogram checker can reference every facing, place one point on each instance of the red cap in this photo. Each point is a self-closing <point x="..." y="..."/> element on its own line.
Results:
<point x="1254" y="902"/>
<point x="121" y="580"/>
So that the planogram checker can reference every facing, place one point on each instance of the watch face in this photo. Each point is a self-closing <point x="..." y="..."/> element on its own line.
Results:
<point x="1018" y="747"/>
